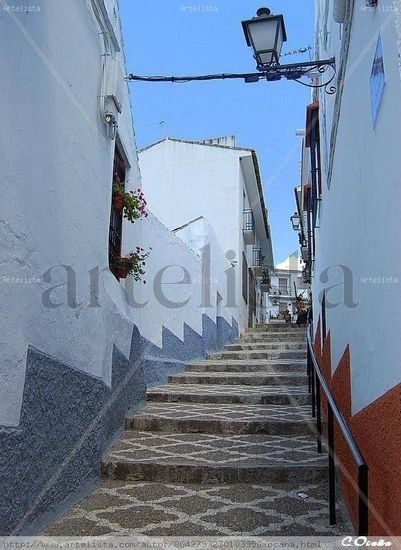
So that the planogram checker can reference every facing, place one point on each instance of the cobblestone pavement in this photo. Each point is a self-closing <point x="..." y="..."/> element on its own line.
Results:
<point x="227" y="458"/>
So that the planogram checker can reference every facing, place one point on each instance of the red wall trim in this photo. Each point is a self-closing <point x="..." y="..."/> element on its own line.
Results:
<point x="377" y="431"/>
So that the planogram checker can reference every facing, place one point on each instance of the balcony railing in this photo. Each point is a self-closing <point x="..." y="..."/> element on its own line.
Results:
<point x="248" y="227"/>
<point x="249" y="221"/>
<point x="281" y="291"/>
<point x="257" y="261"/>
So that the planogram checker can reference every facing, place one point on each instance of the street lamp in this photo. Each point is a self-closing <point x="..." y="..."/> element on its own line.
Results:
<point x="266" y="34"/>
<point x="296" y="221"/>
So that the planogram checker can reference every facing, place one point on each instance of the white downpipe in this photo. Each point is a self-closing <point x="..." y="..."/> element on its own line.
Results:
<point x="339" y="10"/>
<point x="109" y="49"/>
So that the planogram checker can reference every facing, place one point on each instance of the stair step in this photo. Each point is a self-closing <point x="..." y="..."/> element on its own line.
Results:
<point x="256" y="365"/>
<point x="230" y="394"/>
<point x="266" y="346"/>
<point x="272" y="337"/>
<point x="155" y="509"/>
<point x="222" y="419"/>
<point x="289" y="354"/>
<point x="247" y="379"/>
<point x="215" y="459"/>
<point x="277" y="328"/>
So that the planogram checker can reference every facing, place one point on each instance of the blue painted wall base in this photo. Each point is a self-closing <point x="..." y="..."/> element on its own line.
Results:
<point x="69" y="419"/>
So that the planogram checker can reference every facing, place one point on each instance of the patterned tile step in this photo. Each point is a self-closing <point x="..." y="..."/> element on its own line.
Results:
<point x="265" y="346"/>
<point x="222" y="419"/>
<point x="207" y="458"/>
<point x="250" y="365"/>
<point x="285" y="329"/>
<point x="272" y="337"/>
<point x="230" y="394"/>
<point x="168" y="509"/>
<point x="288" y="354"/>
<point x="246" y="379"/>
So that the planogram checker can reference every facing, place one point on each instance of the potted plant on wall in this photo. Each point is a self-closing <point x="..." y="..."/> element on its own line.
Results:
<point x="133" y="264"/>
<point x="131" y="203"/>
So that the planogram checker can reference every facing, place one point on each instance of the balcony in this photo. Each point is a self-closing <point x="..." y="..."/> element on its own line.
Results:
<point x="283" y="291"/>
<point x="257" y="261"/>
<point x="248" y="227"/>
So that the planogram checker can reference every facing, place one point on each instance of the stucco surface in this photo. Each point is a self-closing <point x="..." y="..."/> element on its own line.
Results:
<point x="69" y="419"/>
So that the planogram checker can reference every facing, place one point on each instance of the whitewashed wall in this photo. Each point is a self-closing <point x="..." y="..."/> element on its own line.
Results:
<point x="360" y="223"/>
<point x="199" y="236"/>
<point x="56" y="185"/>
<point x="184" y="181"/>
<point x="56" y="179"/>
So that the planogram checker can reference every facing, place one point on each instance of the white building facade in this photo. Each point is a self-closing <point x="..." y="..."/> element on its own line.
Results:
<point x="286" y="284"/>
<point x="216" y="181"/>
<point x="350" y="236"/>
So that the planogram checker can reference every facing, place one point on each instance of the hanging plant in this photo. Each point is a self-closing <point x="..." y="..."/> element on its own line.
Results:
<point x="132" y="203"/>
<point x="130" y="265"/>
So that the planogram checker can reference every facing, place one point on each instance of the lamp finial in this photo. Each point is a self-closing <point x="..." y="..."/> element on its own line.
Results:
<point x="263" y="11"/>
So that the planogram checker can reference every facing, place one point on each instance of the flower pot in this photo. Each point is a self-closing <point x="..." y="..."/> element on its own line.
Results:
<point x="118" y="202"/>
<point x="121" y="272"/>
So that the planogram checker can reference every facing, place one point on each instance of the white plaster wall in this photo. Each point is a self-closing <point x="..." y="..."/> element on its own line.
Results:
<point x="198" y="235"/>
<point x="183" y="181"/>
<point x="56" y="191"/>
<point x="360" y="222"/>
<point x="171" y="254"/>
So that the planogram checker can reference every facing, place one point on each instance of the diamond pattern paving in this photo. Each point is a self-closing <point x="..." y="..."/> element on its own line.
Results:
<point x="225" y="449"/>
<point x="120" y="508"/>
<point x="226" y="412"/>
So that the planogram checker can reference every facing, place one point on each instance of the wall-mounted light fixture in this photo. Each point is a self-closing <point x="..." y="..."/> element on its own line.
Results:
<point x="266" y="34"/>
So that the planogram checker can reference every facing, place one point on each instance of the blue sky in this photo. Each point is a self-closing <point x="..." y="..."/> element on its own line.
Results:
<point x="164" y="37"/>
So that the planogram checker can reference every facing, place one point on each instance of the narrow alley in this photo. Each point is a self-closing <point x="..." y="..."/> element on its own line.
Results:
<point x="200" y="273"/>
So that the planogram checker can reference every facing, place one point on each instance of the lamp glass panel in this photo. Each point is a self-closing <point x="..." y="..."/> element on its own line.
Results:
<point x="263" y="34"/>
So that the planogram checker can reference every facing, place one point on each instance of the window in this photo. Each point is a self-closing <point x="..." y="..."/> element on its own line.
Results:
<point x="282" y="285"/>
<point x="116" y="218"/>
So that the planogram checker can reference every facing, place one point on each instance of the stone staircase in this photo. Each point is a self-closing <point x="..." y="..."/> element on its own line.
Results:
<point x="227" y="448"/>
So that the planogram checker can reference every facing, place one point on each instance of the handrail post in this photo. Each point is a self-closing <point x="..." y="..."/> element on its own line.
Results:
<point x="313" y="378"/>
<point x="363" y="500"/>
<point x="332" y="471"/>
<point x="319" y="416"/>
<point x="309" y="368"/>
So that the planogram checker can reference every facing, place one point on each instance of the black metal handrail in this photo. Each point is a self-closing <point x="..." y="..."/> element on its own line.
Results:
<point x="317" y="382"/>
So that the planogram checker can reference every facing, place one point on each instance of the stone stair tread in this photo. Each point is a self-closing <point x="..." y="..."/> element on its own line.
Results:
<point x="258" y="378"/>
<point x="246" y="375"/>
<point x="240" y="352"/>
<point x="238" y="368"/>
<point x="226" y="412"/>
<point x="223" y="389"/>
<point x="246" y="362"/>
<point x="266" y="346"/>
<point x="222" y="449"/>
<point x="172" y="509"/>
<point x="221" y="393"/>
